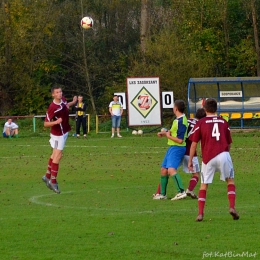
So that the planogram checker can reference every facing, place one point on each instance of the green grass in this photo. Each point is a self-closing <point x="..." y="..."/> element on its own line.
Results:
<point x="105" y="209"/>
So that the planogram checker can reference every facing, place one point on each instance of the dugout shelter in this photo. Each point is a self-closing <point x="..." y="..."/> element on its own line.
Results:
<point x="238" y="98"/>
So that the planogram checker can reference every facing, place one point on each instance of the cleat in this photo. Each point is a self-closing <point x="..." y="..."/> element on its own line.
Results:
<point x="159" y="197"/>
<point x="233" y="213"/>
<point x="179" y="196"/>
<point x="191" y="194"/>
<point x="47" y="181"/>
<point x="54" y="187"/>
<point x="199" y="218"/>
<point x="112" y="136"/>
<point x="119" y="136"/>
<point x="85" y="136"/>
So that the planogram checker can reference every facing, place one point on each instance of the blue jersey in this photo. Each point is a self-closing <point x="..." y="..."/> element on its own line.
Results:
<point x="179" y="130"/>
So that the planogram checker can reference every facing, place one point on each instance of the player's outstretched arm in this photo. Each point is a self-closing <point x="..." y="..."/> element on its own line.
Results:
<point x="73" y="102"/>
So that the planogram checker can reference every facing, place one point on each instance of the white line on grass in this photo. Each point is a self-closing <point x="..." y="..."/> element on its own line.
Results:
<point x="124" y="147"/>
<point x="20" y="156"/>
<point x="116" y="211"/>
<point x="98" y="146"/>
<point x="89" y="154"/>
<point x="112" y="211"/>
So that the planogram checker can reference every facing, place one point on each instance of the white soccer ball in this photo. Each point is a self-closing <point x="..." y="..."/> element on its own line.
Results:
<point x="87" y="22"/>
<point x="164" y="129"/>
<point x="134" y="132"/>
<point x="140" y="132"/>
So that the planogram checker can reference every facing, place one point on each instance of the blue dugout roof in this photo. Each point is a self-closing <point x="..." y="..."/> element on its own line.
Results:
<point x="224" y="79"/>
<point x="233" y="94"/>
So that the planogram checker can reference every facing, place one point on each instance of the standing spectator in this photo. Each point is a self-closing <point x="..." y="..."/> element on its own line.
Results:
<point x="57" y="118"/>
<point x="116" y="111"/>
<point x="214" y="134"/>
<point x="176" y="137"/>
<point x="10" y="129"/>
<point x="81" y="117"/>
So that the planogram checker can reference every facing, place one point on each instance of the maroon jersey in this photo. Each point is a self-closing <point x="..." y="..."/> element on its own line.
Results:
<point x="191" y="123"/>
<point x="56" y="111"/>
<point x="214" y="134"/>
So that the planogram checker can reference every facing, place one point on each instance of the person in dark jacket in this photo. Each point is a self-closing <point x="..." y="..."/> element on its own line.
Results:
<point x="81" y="117"/>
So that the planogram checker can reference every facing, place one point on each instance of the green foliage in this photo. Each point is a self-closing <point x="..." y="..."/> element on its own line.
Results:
<point x="41" y="43"/>
<point x="174" y="61"/>
<point x="243" y="57"/>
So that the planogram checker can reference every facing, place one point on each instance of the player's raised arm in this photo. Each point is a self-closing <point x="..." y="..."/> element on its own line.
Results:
<point x="73" y="102"/>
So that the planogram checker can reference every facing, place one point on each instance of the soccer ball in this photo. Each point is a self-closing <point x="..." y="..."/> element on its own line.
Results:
<point x="164" y="129"/>
<point x="86" y="22"/>
<point x="140" y="132"/>
<point x="134" y="132"/>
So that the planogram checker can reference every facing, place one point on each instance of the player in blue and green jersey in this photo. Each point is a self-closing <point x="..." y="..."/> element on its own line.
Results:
<point x="176" y="140"/>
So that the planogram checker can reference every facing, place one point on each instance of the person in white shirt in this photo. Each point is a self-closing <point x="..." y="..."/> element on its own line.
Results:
<point x="10" y="129"/>
<point x="116" y="111"/>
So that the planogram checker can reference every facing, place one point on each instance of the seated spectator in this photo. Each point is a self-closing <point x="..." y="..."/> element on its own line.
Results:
<point x="10" y="129"/>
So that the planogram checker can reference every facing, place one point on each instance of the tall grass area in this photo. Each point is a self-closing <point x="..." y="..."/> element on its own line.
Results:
<point x="105" y="209"/>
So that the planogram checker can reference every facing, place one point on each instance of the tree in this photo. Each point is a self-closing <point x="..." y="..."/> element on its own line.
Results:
<point x="256" y="36"/>
<point x="143" y="25"/>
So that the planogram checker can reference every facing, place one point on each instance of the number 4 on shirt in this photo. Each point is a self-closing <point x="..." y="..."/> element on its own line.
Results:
<point x="215" y="131"/>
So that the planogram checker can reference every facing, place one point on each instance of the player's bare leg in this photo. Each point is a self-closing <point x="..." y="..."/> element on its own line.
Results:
<point x="202" y="201"/>
<point x="231" y="189"/>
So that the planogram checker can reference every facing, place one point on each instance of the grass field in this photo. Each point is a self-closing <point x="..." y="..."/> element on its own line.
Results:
<point x="105" y="209"/>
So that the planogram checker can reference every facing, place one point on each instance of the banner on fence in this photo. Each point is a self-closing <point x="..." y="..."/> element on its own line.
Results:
<point x="143" y="99"/>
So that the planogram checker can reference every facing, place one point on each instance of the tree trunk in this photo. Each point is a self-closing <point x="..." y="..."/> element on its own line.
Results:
<point x="257" y="48"/>
<point x="143" y="25"/>
<point x="225" y="27"/>
<point x="7" y="40"/>
<point x="86" y="71"/>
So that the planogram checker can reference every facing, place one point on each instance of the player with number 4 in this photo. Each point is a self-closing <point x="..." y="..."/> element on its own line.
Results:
<point x="214" y="133"/>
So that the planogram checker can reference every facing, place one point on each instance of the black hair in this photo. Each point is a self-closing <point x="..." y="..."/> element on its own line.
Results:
<point x="200" y="113"/>
<point x="180" y="104"/>
<point x="211" y="105"/>
<point x="55" y="87"/>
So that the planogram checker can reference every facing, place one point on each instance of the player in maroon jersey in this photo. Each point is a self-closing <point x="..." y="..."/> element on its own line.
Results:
<point x="214" y="134"/>
<point x="200" y="113"/>
<point x="57" y="118"/>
